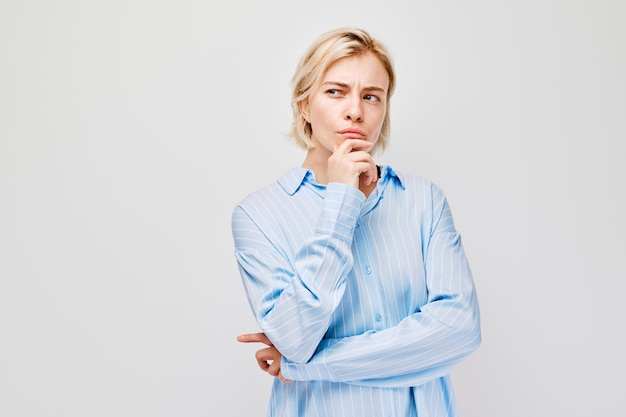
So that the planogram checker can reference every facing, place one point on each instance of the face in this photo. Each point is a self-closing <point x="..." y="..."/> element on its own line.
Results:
<point x="350" y="102"/>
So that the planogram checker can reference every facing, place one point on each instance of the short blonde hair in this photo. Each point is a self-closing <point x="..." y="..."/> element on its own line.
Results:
<point x="322" y="54"/>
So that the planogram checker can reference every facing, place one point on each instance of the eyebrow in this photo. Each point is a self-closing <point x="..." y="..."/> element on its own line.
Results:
<point x="344" y="85"/>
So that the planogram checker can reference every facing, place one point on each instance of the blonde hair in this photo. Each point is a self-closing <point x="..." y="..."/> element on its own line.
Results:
<point x="322" y="54"/>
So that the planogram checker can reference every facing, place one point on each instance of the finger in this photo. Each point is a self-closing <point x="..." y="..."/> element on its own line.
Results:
<point x="264" y="365"/>
<point x="254" y="338"/>
<point x="274" y="368"/>
<point x="365" y="162"/>
<point x="352" y="145"/>
<point x="366" y="168"/>
<point x="266" y="354"/>
<point x="282" y="378"/>
<point x="263" y="359"/>
<point x="372" y="173"/>
<point x="361" y="156"/>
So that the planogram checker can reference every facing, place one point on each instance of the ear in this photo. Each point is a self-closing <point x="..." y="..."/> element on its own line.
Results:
<point x="304" y="110"/>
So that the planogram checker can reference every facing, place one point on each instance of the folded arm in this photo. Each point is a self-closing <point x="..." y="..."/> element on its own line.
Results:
<point x="294" y="296"/>
<point x="424" y="345"/>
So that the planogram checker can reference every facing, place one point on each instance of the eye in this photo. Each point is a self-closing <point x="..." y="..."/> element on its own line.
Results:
<point x="333" y="92"/>
<point x="371" y="97"/>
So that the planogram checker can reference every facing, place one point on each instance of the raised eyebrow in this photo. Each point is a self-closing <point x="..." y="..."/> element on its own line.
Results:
<point x="335" y="83"/>
<point x="378" y="89"/>
<point x="347" y="86"/>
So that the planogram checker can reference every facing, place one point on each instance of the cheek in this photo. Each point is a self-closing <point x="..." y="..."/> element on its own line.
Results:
<point x="377" y="128"/>
<point x="319" y="116"/>
<point x="377" y="119"/>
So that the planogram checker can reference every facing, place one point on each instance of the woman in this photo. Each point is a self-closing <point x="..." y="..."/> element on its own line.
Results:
<point x="354" y="272"/>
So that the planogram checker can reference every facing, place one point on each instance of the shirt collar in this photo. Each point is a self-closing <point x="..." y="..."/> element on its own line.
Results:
<point x="294" y="178"/>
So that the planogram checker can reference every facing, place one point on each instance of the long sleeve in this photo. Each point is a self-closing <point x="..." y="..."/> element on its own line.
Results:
<point x="294" y="276"/>
<point x="423" y="345"/>
<point x="371" y="300"/>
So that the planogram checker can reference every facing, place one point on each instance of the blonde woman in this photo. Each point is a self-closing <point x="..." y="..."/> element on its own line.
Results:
<point x="354" y="272"/>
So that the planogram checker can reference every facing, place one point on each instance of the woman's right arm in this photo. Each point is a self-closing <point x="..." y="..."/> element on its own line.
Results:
<point x="293" y="299"/>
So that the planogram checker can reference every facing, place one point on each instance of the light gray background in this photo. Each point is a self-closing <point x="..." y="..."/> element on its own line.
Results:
<point x="130" y="129"/>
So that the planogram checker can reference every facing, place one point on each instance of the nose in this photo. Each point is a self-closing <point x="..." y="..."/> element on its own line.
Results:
<point x="354" y="111"/>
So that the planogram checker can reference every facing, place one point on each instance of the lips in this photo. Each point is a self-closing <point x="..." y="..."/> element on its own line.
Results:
<point x="352" y="133"/>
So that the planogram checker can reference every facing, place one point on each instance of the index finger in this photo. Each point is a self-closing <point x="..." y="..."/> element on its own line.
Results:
<point x="254" y="338"/>
<point x="350" y="145"/>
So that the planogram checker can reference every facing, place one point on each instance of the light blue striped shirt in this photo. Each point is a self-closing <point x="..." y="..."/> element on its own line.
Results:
<point x="370" y="301"/>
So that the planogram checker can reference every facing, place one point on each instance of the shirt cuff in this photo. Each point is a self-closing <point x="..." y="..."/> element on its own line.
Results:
<point x="306" y="371"/>
<point x="342" y="206"/>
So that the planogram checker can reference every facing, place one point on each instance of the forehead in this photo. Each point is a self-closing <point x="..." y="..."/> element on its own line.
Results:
<point x="366" y="69"/>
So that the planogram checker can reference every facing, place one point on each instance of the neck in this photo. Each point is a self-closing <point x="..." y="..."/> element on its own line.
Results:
<point x="317" y="163"/>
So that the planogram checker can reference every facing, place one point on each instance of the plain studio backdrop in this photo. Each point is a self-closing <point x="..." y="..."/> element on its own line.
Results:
<point x="130" y="129"/>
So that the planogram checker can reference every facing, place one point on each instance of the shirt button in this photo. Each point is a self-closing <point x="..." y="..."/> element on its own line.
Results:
<point x="368" y="270"/>
<point x="378" y="318"/>
<point x="358" y="224"/>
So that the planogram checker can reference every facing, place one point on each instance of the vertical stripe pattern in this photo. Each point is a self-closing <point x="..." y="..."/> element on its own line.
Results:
<point x="370" y="301"/>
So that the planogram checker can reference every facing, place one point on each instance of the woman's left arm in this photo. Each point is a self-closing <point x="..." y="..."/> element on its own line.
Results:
<point x="424" y="345"/>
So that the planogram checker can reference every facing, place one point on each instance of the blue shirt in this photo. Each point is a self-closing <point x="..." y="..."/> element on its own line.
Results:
<point x="371" y="301"/>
